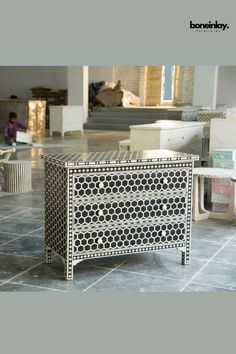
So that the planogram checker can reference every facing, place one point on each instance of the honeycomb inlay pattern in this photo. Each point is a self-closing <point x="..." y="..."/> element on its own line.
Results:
<point x="127" y="210"/>
<point x="130" y="182"/>
<point x="138" y="236"/>
<point x="101" y="210"/>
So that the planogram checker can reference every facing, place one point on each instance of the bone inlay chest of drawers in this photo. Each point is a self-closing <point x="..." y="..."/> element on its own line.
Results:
<point x="113" y="203"/>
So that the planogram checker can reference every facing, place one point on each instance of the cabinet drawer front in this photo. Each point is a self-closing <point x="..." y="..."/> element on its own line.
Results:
<point x="180" y="138"/>
<point x="105" y="240"/>
<point x="130" y="182"/>
<point x="122" y="210"/>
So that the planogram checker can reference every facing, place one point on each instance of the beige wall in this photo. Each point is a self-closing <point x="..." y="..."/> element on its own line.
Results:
<point x="146" y="82"/>
<point x="133" y="78"/>
<point x="129" y="76"/>
<point x="100" y="73"/>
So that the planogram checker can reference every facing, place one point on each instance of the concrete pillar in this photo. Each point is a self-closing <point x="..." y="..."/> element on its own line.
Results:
<point x="77" y="83"/>
<point x="205" y="86"/>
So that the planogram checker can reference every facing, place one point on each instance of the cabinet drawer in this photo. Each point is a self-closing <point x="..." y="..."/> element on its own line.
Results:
<point x="127" y="209"/>
<point x="130" y="237"/>
<point x="132" y="182"/>
<point x="180" y="138"/>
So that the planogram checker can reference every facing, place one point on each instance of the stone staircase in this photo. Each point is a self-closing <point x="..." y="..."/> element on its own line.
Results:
<point x="120" y="118"/>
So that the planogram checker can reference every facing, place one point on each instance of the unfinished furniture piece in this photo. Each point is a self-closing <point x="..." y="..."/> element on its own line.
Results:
<point x="124" y="145"/>
<point x="231" y="112"/>
<point x="207" y="116"/>
<point x="113" y="203"/>
<point x="17" y="176"/>
<point x="221" y="189"/>
<point x="222" y="134"/>
<point x="66" y="119"/>
<point x="233" y="180"/>
<point x="174" y="135"/>
<point x="22" y="137"/>
<point x="199" y="211"/>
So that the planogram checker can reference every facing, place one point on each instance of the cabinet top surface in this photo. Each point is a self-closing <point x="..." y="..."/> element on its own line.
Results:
<point x="116" y="157"/>
<point x="168" y="124"/>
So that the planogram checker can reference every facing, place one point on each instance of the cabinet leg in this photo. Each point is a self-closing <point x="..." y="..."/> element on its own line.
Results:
<point x="68" y="271"/>
<point x="185" y="256"/>
<point x="48" y="255"/>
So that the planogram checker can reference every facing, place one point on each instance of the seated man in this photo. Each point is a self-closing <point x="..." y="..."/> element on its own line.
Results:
<point x="11" y="128"/>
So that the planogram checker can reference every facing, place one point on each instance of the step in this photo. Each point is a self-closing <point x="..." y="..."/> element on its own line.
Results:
<point x="133" y="109"/>
<point x="125" y="120"/>
<point x="101" y="126"/>
<point x="122" y="114"/>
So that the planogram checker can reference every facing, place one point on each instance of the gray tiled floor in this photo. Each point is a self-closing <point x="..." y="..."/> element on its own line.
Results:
<point x="22" y="267"/>
<point x="218" y="274"/>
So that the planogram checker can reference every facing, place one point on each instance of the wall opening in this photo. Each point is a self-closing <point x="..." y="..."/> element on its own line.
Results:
<point x="168" y="80"/>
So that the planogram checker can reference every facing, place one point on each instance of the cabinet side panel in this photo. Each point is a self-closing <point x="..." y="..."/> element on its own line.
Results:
<point x="56" y="208"/>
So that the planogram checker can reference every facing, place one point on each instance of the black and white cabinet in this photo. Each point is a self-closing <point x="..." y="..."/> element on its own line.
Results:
<point x="113" y="203"/>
